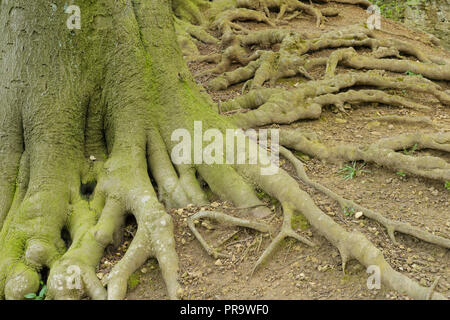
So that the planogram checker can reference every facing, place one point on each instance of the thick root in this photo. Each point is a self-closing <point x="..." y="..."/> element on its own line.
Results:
<point x="283" y="6"/>
<point x="226" y="183"/>
<point x="380" y="153"/>
<point x="306" y="101"/>
<point x="350" y="58"/>
<point x="351" y="245"/>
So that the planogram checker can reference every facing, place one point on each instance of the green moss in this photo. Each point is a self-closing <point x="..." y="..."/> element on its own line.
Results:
<point x="299" y="222"/>
<point x="302" y="156"/>
<point x="134" y="280"/>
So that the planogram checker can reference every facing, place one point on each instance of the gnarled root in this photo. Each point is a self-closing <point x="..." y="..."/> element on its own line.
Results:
<point x="382" y="152"/>
<point x="351" y="245"/>
<point x="283" y="6"/>
<point x="306" y="101"/>
<point x="350" y="58"/>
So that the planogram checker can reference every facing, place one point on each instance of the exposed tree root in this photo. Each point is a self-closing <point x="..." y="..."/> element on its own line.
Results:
<point x="98" y="131"/>
<point x="382" y="152"/>
<point x="351" y="245"/>
<point x="188" y="34"/>
<point x="283" y="6"/>
<point x="364" y="3"/>
<point x="306" y="101"/>
<point x="390" y="225"/>
<point x="350" y="58"/>
<point x="402" y="119"/>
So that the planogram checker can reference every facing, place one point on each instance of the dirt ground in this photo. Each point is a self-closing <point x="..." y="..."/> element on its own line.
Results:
<point x="297" y="271"/>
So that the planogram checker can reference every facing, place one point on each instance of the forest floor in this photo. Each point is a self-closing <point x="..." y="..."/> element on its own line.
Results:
<point x="297" y="271"/>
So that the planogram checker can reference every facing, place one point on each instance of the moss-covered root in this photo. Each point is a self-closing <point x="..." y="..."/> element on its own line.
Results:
<point x="73" y="275"/>
<point x="380" y="152"/>
<point x="153" y="238"/>
<point x="170" y="189"/>
<point x="359" y="96"/>
<point x="123" y="187"/>
<point x="438" y="141"/>
<point x="391" y="225"/>
<point x="233" y="53"/>
<point x="349" y="57"/>
<point x="224" y="219"/>
<point x="306" y="101"/>
<point x="364" y="3"/>
<point x="283" y="6"/>
<point x="30" y="239"/>
<point x="351" y="245"/>
<point x="284" y="107"/>
<point x="191" y="11"/>
<point x="270" y="66"/>
<point x="376" y="79"/>
<point x="224" y="21"/>
<point x="188" y="35"/>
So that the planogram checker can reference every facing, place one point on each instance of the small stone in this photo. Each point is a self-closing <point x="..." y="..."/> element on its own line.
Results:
<point x="215" y="204"/>
<point x="358" y="215"/>
<point x="218" y="262"/>
<point x="144" y="270"/>
<point x="92" y="158"/>
<point x="390" y="127"/>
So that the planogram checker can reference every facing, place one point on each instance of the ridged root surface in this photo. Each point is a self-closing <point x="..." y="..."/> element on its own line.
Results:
<point x="86" y="138"/>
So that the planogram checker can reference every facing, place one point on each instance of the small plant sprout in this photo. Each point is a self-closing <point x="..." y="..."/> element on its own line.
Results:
<point x="410" y="151"/>
<point x="348" y="211"/>
<point x="40" y="296"/>
<point x="352" y="171"/>
<point x="447" y="185"/>
<point x="401" y="173"/>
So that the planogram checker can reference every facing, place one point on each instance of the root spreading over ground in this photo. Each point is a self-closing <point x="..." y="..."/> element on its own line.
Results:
<point x="87" y="118"/>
